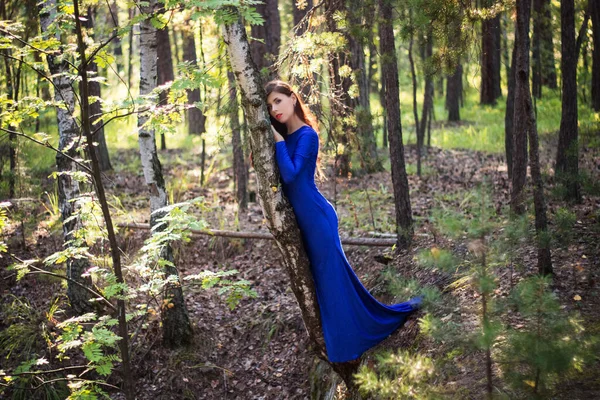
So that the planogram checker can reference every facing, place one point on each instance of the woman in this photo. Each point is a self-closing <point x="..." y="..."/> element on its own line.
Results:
<point x="353" y="320"/>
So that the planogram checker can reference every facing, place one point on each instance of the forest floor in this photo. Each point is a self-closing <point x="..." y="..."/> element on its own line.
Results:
<point x="260" y="349"/>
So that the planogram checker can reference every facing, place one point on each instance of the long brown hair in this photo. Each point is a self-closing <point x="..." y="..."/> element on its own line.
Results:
<point x="301" y="110"/>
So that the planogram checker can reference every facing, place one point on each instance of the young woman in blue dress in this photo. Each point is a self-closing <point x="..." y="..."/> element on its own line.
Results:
<point x="352" y="319"/>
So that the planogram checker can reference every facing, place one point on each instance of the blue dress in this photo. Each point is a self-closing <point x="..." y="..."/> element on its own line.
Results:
<point x="353" y="320"/>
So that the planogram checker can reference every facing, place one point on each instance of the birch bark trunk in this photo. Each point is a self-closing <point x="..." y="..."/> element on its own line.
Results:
<point x="177" y="330"/>
<point x="68" y="188"/>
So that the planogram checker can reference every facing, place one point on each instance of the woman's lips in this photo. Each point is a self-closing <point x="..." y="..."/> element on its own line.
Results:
<point x="278" y="116"/>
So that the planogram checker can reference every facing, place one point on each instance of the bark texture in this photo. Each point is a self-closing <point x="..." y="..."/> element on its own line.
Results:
<point x="68" y="188"/>
<point x="525" y="124"/>
<point x="389" y="71"/>
<point x="176" y="327"/>
<point x="567" y="156"/>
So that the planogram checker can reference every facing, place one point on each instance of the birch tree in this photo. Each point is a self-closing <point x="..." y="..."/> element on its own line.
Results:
<point x="68" y="142"/>
<point x="176" y="325"/>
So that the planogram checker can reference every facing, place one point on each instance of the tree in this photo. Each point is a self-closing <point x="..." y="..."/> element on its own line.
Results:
<point x="96" y="107"/>
<point x="356" y="36"/>
<point x="265" y="53"/>
<point x="454" y="93"/>
<point x="176" y="327"/>
<point x="524" y="124"/>
<point x="509" y="117"/>
<point x="389" y="72"/>
<point x="240" y="171"/>
<point x="196" y="120"/>
<point x="594" y="6"/>
<point x="490" y="59"/>
<point x="68" y="186"/>
<point x="543" y="69"/>
<point x="165" y="69"/>
<point x="567" y="156"/>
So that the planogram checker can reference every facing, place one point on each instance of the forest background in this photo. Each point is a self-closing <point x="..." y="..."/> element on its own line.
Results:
<point x="460" y="143"/>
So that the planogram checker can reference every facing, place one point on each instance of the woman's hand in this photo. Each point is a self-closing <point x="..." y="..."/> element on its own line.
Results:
<point x="277" y="135"/>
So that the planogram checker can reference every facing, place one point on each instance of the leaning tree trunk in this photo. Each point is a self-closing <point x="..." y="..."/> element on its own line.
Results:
<point x="96" y="107"/>
<point x="362" y="111"/>
<point x="525" y="124"/>
<point x="68" y="187"/>
<point x="196" y="120"/>
<point x="543" y="69"/>
<point x="277" y="210"/>
<point x="595" y="16"/>
<point x="389" y="72"/>
<point x="176" y="327"/>
<point x="240" y="171"/>
<point x="567" y="157"/>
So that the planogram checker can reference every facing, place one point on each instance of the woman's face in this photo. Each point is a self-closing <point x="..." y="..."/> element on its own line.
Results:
<point x="281" y="106"/>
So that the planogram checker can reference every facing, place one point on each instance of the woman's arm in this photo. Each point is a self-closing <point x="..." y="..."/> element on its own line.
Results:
<point x="307" y="147"/>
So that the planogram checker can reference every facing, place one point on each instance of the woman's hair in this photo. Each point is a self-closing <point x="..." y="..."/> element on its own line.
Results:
<point x="301" y="110"/>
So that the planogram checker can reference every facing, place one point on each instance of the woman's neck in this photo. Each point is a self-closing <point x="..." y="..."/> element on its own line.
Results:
<point x="294" y="124"/>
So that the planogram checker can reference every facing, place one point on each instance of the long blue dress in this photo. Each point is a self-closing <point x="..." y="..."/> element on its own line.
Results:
<point x="353" y="320"/>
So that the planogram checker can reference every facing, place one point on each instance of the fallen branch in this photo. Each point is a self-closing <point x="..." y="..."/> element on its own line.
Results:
<point x="357" y="241"/>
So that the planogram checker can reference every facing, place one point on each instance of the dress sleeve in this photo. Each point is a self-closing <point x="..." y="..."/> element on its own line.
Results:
<point x="290" y="167"/>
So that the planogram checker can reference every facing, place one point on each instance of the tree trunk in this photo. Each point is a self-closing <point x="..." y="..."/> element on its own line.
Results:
<point x="264" y="54"/>
<point x="509" y="117"/>
<point x="277" y="210"/>
<point x="165" y="69"/>
<point x="521" y="117"/>
<point x="176" y="327"/>
<point x="525" y="124"/>
<point x="127" y="376"/>
<point x="132" y="13"/>
<point x="490" y="61"/>
<point x="453" y="90"/>
<point x="595" y="16"/>
<point x="362" y="111"/>
<point x="196" y="120"/>
<point x="96" y="106"/>
<point x="68" y="187"/>
<point x="116" y="43"/>
<point x="240" y="171"/>
<point x="543" y="69"/>
<point x="567" y="157"/>
<point x="342" y="104"/>
<point x="389" y="70"/>
<point x="427" y="99"/>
